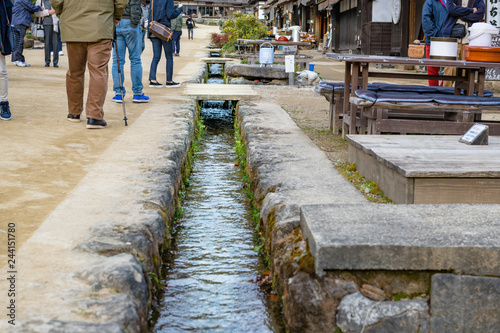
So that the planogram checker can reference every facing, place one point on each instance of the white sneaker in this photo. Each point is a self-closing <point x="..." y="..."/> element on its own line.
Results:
<point x="61" y="53"/>
<point x="22" y="64"/>
<point x="15" y="62"/>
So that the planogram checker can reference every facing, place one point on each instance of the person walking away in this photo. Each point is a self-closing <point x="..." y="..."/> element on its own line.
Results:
<point x="5" y="49"/>
<point x="87" y="30"/>
<point x="177" y="33"/>
<point x="50" y="39"/>
<point x="433" y="15"/>
<point x="190" y="25"/>
<point x="144" y="21"/>
<point x="465" y="12"/>
<point x="162" y="11"/>
<point x="129" y="37"/>
<point x="21" y="19"/>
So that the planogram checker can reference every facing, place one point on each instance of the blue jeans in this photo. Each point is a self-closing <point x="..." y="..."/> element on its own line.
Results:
<point x="17" y="50"/>
<point x="190" y="33"/>
<point x="176" y="38"/>
<point x="158" y="44"/>
<point x="131" y="39"/>
<point x="143" y="31"/>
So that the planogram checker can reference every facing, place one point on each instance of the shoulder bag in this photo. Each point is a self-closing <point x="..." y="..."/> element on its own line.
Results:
<point x="458" y="31"/>
<point x="37" y="31"/>
<point x="159" y="30"/>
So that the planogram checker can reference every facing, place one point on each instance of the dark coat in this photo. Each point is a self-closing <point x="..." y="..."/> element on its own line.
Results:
<point x="433" y="16"/>
<point x="456" y="11"/>
<point x="5" y="18"/>
<point x="162" y="11"/>
<point x="21" y="12"/>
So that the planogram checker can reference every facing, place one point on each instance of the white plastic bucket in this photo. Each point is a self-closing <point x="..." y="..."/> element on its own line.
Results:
<point x="482" y="40"/>
<point x="443" y="48"/>
<point x="481" y="34"/>
<point x="266" y="54"/>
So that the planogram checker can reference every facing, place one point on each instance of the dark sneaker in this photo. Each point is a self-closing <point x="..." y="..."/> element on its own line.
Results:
<point x="172" y="84"/>
<point x="140" y="99"/>
<point x="96" y="124"/>
<point x="73" y="118"/>
<point x="118" y="99"/>
<point x="5" y="111"/>
<point x="155" y="84"/>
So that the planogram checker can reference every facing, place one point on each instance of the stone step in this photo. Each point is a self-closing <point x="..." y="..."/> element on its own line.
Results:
<point x="453" y="238"/>
<point x="220" y="92"/>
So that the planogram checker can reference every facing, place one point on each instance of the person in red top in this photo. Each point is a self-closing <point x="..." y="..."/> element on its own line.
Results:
<point x="433" y="16"/>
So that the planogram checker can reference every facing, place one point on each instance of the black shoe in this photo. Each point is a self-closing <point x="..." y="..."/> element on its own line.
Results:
<point x="56" y="65"/>
<point x="172" y="84"/>
<point x="73" y="118"/>
<point x="47" y="64"/>
<point x="155" y="84"/>
<point x="96" y="123"/>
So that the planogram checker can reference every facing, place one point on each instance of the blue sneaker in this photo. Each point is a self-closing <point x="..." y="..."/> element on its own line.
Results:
<point x="118" y="99"/>
<point x="5" y="111"/>
<point x="140" y="99"/>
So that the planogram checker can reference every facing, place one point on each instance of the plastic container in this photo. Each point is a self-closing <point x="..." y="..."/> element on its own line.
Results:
<point x="266" y="54"/>
<point x="443" y="48"/>
<point x="480" y="34"/>
<point x="311" y="67"/>
<point x="482" y="53"/>
<point x="295" y="33"/>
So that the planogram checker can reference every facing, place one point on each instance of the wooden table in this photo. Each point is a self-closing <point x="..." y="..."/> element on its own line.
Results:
<point x="470" y="75"/>
<point x="257" y="43"/>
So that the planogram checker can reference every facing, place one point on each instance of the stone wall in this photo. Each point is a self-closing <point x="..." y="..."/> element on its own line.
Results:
<point x="288" y="173"/>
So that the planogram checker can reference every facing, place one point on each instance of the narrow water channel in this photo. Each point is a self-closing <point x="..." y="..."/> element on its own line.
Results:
<point x="210" y="285"/>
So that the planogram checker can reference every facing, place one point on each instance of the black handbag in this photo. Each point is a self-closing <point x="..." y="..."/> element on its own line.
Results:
<point x="458" y="31"/>
<point x="159" y="30"/>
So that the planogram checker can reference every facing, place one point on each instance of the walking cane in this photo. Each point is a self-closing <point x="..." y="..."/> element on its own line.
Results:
<point x="120" y="79"/>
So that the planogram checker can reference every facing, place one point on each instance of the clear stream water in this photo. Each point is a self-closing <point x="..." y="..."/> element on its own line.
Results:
<point x="210" y="285"/>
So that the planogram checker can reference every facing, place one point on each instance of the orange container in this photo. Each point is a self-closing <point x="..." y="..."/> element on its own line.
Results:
<point x="416" y="51"/>
<point x="482" y="53"/>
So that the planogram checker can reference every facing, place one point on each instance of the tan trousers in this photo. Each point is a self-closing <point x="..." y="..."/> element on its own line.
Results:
<point x="453" y="70"/>
<point x="96" y="57"/>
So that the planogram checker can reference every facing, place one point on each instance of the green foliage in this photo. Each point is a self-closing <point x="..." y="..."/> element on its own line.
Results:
<point x="243" y="26"/>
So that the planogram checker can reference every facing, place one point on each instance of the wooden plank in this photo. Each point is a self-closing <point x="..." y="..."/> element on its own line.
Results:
<point x="429" y="169"/>
<point x="432" y="156"/>
<point x="394" y="185"/>
<point x="457" y="190"/>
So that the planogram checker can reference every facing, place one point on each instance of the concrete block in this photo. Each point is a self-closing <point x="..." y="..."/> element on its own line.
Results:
<point x="459" y="238"/>
<point x="465" y="304"/>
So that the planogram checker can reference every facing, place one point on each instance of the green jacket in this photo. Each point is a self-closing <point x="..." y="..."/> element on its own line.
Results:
<point x="134" y="12"/>
<point x="177" y="23"/>
<point x="88" y="20"/>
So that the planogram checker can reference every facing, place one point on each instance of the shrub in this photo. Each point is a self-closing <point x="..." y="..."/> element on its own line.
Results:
<point x="218" y="40"/>
<point x="242" y="26"/>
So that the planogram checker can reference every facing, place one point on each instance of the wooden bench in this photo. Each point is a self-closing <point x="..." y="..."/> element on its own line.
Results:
<point x="423" y="113"/>
<point x="334" y="94"/>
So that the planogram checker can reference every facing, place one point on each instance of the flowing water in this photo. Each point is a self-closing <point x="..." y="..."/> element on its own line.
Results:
<point x="211" y="283"/>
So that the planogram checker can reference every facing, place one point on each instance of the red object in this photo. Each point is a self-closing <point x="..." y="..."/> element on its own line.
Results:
<point x="482" y="53"/>
<point x="282" y="39"/>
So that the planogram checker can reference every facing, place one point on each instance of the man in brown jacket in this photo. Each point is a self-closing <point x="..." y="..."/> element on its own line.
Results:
<point x="87" y="28"/>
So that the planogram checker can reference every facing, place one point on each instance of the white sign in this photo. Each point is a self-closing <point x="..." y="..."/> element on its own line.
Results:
<point x="289" y="49"/>
<point x="493" y="13"/>
<point x="289" y="64"/>
<point x="473" y="133"/>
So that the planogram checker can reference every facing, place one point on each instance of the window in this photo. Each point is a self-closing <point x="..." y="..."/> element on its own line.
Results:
<point x="191" y="10"/>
